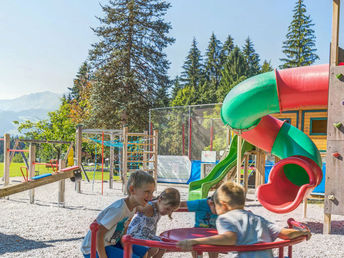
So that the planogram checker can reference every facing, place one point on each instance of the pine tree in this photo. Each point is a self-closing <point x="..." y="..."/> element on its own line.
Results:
<point x="176" y="87"/>
<point x="234" y="71"/>
<point x="129" y="62"/>
<point x="213" y="62"/>
<point x="251" y="57"/>
<point x="266" y="67"/>
<point x="227" y="48"/>
<point x="299" y="48"/>
<point x="193" y="69"/>
<point x="79" y="95"/>
<point x="81" y="81"/>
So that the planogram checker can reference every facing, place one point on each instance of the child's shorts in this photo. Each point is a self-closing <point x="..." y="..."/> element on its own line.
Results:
<point x="116" y="251"/>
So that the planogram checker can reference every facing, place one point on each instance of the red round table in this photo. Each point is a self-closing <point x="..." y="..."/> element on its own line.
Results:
<point x="178" y="234"/>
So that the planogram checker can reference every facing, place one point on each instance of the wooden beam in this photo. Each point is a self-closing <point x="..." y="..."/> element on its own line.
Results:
<point x="6" y="159"/>
<point x="327" y="223"/>
<point x="12" y="189"/>
<point x="62" y="187"/>
<point x="78" y="147"/>
<point x="44" y="141"/>
<point x="246" y="173"/>
<point x="239" y="160"/>
<point x="335" y="33"/>
<point x="155" y="157"/>
<point x="32" y="159"/>
<point x="125" y="159"/>
<point x="112" y="158"/>
<point x="100" y="131"/>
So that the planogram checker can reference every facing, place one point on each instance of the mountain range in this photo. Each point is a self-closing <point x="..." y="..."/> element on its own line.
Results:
<point x="31" y="107"/>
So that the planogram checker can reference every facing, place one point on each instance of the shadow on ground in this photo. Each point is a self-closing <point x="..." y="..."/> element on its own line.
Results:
<point x="337" y="227"/>
<point x="15" y="243"/>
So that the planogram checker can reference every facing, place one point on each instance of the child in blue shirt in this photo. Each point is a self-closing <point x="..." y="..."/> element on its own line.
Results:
<point x="205" y="215"/>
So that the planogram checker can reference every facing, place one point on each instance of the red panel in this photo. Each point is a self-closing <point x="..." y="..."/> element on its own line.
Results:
<point x="303" y="86"/>
<point x="265" y="133"/>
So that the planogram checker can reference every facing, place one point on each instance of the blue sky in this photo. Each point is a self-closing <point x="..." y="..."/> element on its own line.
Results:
<point x="44" y="42"/>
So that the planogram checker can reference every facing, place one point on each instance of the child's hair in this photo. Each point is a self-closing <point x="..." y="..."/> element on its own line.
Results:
<point x="231" y="193"/>
<point x="138" y="179"/>
<point x="171" y="197"/>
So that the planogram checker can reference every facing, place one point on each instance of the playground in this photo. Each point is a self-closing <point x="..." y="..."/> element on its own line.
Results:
<point x="45" y="230"/>
<point x="285" y="148"/>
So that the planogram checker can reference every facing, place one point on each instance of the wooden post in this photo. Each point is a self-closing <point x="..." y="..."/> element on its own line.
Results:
<point x="155" y="155"/>
<point x="32" y="159"/>
<point x="305" y="208"/>
<point x="125" y="160"/>
<point x="327" y="223"/>
<point x="239" y="161"/>
<point x="62" y="187"/>
<point x="145" y="149"/>
<point x="6" y="159"/>
<point x="78" y="146"/>
<point x="334" y="141"/>
<point x="246" y="173"/>
<point x="112" y="158"/>
<point x="257" y="177"/>
<point x="16" y="143"/>
<point x="335" y="32"/>
<point x="260" y="167"/>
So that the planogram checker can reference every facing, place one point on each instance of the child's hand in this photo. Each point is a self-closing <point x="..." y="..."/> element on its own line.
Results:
<point x="186" y="244"/>
<point x="307" y="233"/>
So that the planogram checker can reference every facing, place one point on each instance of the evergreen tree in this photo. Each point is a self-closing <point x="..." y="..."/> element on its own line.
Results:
<point x="176" y="87"/>
<point x="251" y="57"/>
<point x="299" y="48"/>
<point x="193" y="68"/>
<point x="213" y="62"/>
<point x="131" y="67"/>
<point x="234" y="71"/>
<point x="81" y="81"/>
<point x="79" y="95"/>
<point x="266" y="67"/>
<point x="227" y="48"/>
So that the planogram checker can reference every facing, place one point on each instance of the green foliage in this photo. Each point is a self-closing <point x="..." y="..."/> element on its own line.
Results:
<point x="266" y="67"/>
<point x="176" y="87"/>
<point x="299" y="47"/>
<point x="227" y="48"/>
<point x="213" y="62"/>
<point x="57" y="127"/>
<point x="129" y="63"/>
<point x="185" y="96"/>
<point x="251" y="57"/>
<point x="234" y="72"/>
<point x="193" y="72"/>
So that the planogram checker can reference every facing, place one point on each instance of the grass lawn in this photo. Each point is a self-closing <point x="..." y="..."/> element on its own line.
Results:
<point x="41" y="169"/>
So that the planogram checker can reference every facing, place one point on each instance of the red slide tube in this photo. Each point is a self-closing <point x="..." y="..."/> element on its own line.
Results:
<point x="303" y="87"/>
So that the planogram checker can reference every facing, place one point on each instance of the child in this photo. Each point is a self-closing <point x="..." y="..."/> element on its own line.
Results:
<point x="205" y="216"/>
<point x="239" y="227"/>
<point x="112" y="220"/>
<point x="144" y="223"/>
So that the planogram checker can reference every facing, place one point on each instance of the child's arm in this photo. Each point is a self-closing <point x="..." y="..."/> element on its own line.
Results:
<point x="227" y="238"/>
<point x="290" y="233"/>
<point x="183" y="204"/>
<point x="101" y="242"/>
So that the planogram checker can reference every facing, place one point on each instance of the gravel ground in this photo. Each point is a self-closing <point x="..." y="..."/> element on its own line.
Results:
<point x="45" y="230"/>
